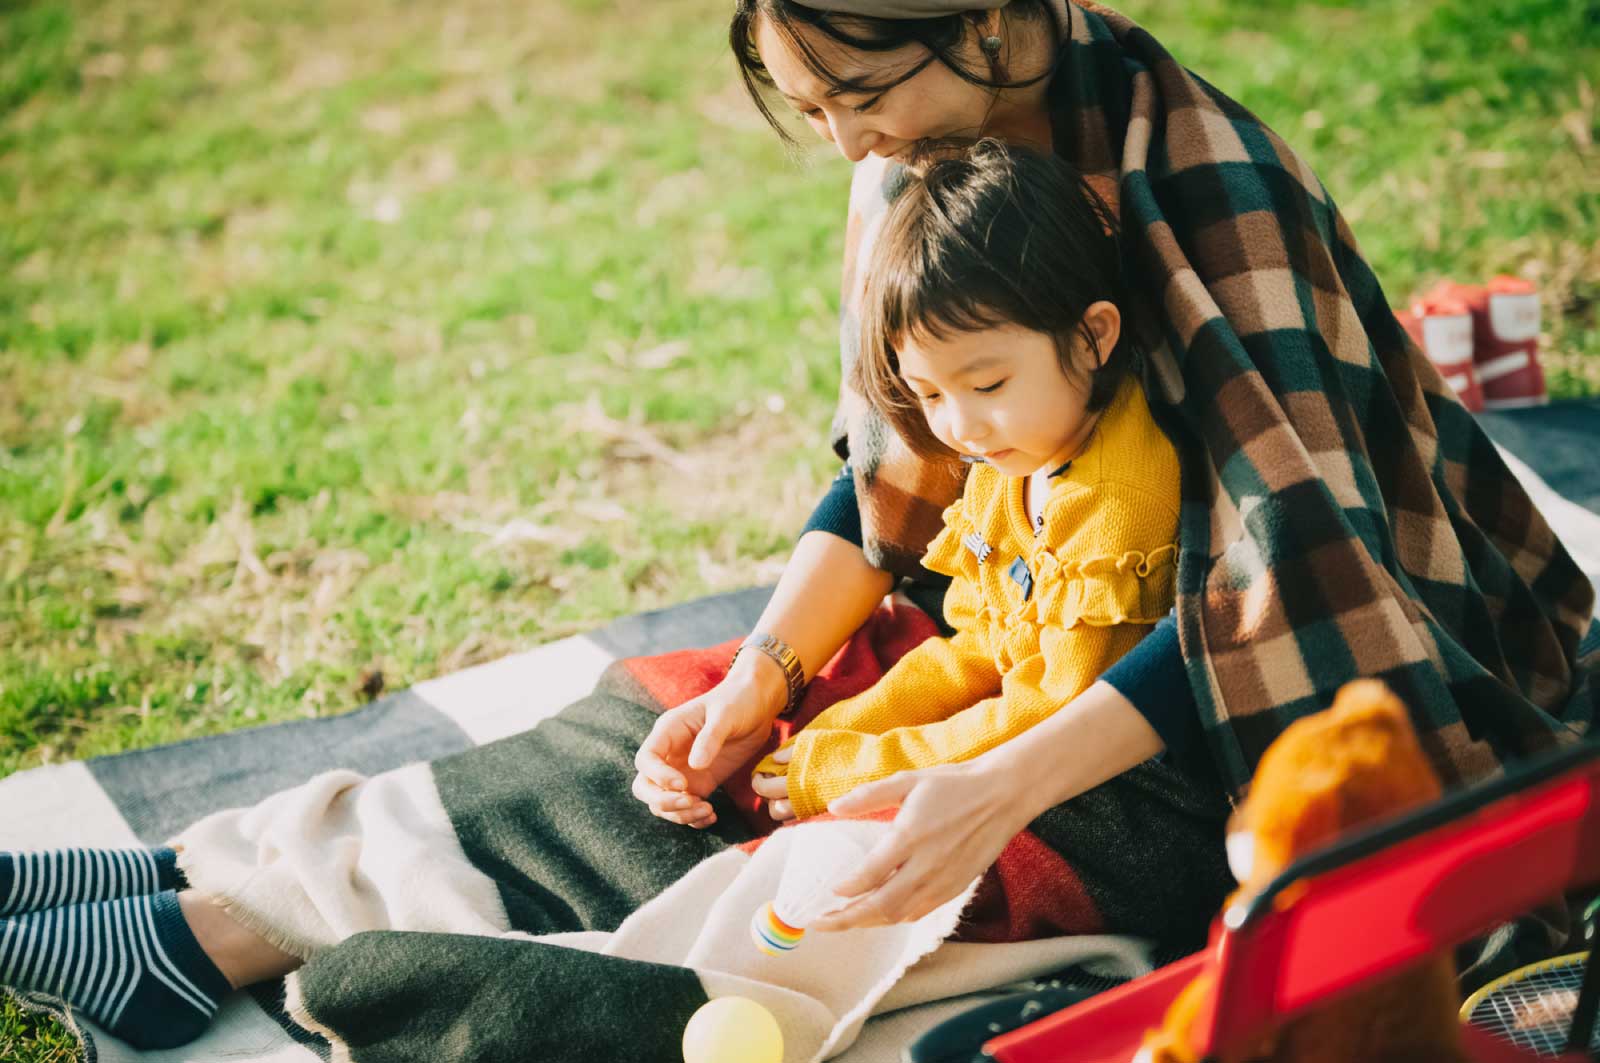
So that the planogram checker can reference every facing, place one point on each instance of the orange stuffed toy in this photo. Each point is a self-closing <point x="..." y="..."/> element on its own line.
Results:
<point x="1351" y="766"/>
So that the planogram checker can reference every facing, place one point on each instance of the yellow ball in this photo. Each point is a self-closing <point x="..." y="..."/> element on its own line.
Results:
<point x="732" y="1030"/>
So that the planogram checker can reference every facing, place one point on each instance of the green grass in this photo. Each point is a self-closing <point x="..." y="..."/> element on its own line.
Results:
<point x="31" y="1038"/>
<point x="339" y="337"/>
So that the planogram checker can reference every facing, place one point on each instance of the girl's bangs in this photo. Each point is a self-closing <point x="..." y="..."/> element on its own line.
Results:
<point x="954" y="317"/>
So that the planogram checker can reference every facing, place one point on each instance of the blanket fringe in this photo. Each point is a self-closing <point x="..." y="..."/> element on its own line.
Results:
<point x="201" y="883"/>
<point x="932" y="938"/>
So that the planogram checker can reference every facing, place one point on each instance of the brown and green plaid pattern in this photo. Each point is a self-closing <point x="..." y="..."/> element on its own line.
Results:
<point x="1343" y="515"/>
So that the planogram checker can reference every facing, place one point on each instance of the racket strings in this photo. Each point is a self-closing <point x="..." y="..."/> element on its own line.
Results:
<point x="1533" y="1008"/>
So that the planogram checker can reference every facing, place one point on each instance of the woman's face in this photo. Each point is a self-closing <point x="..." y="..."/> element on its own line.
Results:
<point x="932" y="103"/>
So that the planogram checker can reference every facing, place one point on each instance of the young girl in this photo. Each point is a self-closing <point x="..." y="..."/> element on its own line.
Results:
<point x="993" y="332"/>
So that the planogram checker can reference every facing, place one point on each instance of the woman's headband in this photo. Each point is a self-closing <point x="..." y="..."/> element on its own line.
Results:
<point x="903" y="8"/>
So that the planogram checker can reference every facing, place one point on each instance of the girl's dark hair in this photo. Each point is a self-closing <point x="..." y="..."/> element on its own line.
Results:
<point x="940" y="37"/>
<point x="992" y="237"/>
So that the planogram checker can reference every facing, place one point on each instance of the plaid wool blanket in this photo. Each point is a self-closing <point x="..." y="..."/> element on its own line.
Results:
<point x="1343" y="515"/>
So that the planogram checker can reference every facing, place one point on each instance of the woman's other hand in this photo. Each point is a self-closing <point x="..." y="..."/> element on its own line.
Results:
<point x="953" y="822"/>
<point x="693" y="748"/>
<point x="775" y="788"/>
<point x="955" y="819"/>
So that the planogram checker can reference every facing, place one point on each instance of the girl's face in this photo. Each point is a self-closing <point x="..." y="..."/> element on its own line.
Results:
<point x="932" y="103"/>
<point x="1000" y="394"/>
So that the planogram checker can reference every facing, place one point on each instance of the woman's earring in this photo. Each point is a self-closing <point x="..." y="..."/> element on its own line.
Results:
<point x="991" y="45"/>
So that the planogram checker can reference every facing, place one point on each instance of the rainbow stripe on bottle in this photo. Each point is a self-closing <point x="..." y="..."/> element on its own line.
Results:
<point x="772" y="935"/>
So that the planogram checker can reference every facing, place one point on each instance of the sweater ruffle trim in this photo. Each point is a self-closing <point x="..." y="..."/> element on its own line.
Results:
<point x="947" y="554"/>
<point x="1137" y="587"/>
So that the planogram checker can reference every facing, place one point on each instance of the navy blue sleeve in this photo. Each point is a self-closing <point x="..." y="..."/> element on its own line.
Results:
<point x="838" y="511"/>
<point x="1151" y="675"/>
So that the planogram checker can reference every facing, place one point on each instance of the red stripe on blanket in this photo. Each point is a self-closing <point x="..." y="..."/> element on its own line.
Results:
<point x="1030" y="892"/>
<point x="674" y="678"/>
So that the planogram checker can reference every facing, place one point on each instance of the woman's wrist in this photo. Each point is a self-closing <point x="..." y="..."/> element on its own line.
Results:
<point x="781" y="653"/>
<point x="827" y="591"/>
<point x="759" y="673"/>
<point x="1013" y="780"/>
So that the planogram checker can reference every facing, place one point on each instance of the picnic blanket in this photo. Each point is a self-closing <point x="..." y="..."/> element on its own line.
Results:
<point x="513" y="900"/>
<point x="401" y="889"/>
<point x="151" y="795"/>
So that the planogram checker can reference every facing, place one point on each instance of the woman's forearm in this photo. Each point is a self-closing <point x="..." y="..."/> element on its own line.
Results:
<point x="827" y="591"/>
<point x="1152" y="677"/>
<point x="1046" y="763"/>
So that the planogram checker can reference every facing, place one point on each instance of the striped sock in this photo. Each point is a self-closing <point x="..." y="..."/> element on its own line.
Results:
<point x="132" y="965"/>
<point x="31" y="882"/>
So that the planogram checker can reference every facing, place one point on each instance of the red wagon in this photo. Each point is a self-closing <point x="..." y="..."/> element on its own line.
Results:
<point x="1365" y="907"/>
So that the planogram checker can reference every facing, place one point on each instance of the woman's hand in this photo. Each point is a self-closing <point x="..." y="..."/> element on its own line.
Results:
<point x="955" y="819"/>
<point x="693" y="748"/>
<point x="775" y="788"/>
<point x="828" y="590"/>
<point x="953" y="822"/>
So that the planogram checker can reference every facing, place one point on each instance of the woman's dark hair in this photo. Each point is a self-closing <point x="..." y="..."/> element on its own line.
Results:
<point x="992" y="237"/>
<point x="941" y="38"/>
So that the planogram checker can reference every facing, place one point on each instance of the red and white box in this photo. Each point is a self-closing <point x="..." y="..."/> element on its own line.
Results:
<point x="1505" y="322"/>
<point x="1442" y="325"/>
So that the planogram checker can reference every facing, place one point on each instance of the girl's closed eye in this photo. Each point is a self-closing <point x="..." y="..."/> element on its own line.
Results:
<point x="990" y="389"/>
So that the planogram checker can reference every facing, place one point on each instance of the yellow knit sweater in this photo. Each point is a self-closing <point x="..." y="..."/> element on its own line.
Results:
<point x="1103" y="570"/>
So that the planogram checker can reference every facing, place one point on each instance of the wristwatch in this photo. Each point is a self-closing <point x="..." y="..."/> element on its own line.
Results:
<point x="781" y="652"/>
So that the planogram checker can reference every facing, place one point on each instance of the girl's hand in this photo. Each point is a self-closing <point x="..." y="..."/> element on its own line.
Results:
<point x="775" y="788"/>
<point x="693" y="748"/>
<point x="953" y="822"/>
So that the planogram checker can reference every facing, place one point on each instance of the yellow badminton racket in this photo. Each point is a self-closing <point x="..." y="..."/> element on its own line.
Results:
<point x="1533" y="1006"/>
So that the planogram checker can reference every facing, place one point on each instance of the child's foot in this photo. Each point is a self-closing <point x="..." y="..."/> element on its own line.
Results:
<point x="30" y="882"/>
<point x="131" y="965"/>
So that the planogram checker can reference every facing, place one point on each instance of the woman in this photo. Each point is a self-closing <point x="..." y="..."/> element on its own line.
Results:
<point x="1323" y="539"/>
<point x="1342" y="516"/>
